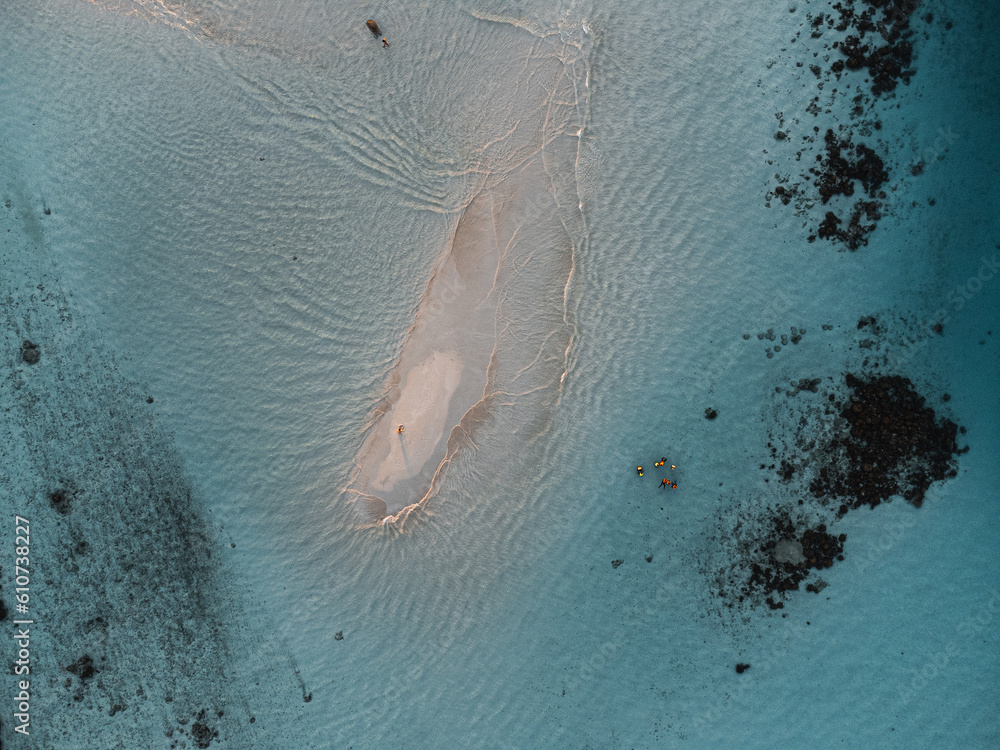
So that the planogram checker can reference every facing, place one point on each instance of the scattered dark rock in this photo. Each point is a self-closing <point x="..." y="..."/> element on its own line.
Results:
<point x="201" y="733"/>
<point x="339" y="635"/>
<point x="855" y="234"/>
<point x="872" y="37"/>
<point x="30" y="353"/>
<point x="887" y="54"/>
<point x="616" y="563"/>
<point x="828" y="228"/>
<point x="649" y="558"/>
<point x="785" y="195"/>
<point x="83" y="668"/>
<point x="806" y="384"/>
<point x="786" y="557"/>
<point x="711" y="413"/>
<point x="839" y="171"/>
<point x="60" y="500"/>
<point x="741" y="668"/>
<point x="787" y="470"/>
<point x="771" y="554"/>
<point x="836" y="175"/>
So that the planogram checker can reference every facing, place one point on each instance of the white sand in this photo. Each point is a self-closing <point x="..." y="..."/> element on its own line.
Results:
<point x="441" y="373"/>
<point x="422" y="409"/>
<point x="491" y="330"/>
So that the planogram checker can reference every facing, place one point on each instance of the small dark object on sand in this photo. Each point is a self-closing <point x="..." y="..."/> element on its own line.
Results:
<point x="373" y="27"/>
<point x="741" y="668"/>
<point x="711" y="413"/>
<point x="339" y="635"/>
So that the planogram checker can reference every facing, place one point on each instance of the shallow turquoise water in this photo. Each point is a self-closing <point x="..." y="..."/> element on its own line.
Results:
<point x="246" y="203"/>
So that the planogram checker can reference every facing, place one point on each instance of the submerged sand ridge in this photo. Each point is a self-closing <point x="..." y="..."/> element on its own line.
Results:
<point x="491" y="330"/>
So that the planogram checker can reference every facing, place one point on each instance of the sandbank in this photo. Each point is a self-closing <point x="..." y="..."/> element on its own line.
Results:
<point x="491" y="330"/>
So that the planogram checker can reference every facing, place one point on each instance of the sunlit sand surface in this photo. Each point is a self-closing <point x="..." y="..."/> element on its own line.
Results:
<point x="491" y="329"/>
<point x="423" y="405"/>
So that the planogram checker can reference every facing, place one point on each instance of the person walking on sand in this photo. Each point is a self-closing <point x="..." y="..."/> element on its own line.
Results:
<point x="664" y="483"/>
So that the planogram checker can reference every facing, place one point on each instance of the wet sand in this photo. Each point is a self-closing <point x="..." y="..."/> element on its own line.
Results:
<point x="491" y="329"/>
<point x="422" y="409"/>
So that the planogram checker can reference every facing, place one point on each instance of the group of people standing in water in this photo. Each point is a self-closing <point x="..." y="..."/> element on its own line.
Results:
<point x="664" y="483"/>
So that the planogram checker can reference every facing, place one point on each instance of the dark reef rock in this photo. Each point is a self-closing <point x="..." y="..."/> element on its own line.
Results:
<point x="839" y="172"/>
<point x="30" y="353"/>
<point x="202" y="734"/>
<point x="616" y="563"/>
<point x="881" y="42"/>
<point x="60" y="500"/>
<point x="741" y="668"/>
<point x="83" y="668"/>
<point x="895" y="445"/>
<point x="711" y="413"/>
<point x="786" y="557"/>
<point x="873" y="40"/>
<point x="806" y="384"/>
<point x="855" y="234"/>
<point x="836" y="175"/>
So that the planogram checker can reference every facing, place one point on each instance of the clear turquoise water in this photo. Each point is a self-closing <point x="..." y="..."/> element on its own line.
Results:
<point x="246" y="203"/>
